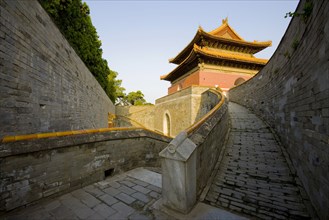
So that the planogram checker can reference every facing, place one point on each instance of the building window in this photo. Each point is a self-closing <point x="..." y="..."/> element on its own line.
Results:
<point x="238" y="81"/>
<point x="179" y="87"/>
<point x="166" y="124"/>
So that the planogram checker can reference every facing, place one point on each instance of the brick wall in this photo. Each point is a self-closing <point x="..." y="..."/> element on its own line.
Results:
<point x="143" y="115"/>
<point x="184" y="108"/>
<point x="210" y="139"/>
<point x="291" y="93"/>
<point x="31" y="170"/>
<point x="44" y="85"/>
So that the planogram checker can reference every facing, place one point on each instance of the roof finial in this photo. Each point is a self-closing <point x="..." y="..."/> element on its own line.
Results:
<point x="225" y="21"/>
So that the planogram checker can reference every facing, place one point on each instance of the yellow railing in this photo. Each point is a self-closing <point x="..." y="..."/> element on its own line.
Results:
<point x="189" y="130"/>
<point x="60" y="134"/>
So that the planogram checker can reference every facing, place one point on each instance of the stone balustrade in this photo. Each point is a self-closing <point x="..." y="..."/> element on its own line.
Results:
<point x="33" y="167"/>
<point x="189" y="159"/>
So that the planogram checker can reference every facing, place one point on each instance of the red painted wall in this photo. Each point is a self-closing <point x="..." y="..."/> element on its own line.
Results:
<point x="192" y="79"/>
<point x="208" y="78"/>
<point x="224" y="80"/>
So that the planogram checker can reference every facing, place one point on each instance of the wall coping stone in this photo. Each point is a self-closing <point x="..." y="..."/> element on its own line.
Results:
<point x="71" y="138"/>
<point x="180" y="148"/>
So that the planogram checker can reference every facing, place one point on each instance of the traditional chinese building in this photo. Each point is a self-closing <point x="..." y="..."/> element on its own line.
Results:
<point x="219" y="58"/>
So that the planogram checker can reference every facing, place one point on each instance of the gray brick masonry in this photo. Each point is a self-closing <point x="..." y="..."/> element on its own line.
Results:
<point x="254" y="177"/>
<point x="44" y="85"/>
<point x="291" y="93"/>
<point x="88" y="203"/>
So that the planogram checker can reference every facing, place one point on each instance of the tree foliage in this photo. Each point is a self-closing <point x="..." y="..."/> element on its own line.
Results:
<point x="132" y="98"/>
<point x="115" y="84"/>
<point x="307" y="11"/>
<point x="72" y="18"/>
<point x="136" y="98"/>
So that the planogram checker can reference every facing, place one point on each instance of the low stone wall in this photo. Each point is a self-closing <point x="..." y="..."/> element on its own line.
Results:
<point x="34" y="169"/>
<point x="143" y="115"/>
<point x="44" y="85"/>
<point x="189" y="159"/>
<point x="291" y="93"/>
<point x="203" y="103"/>
<point x="183" y="108"/>
<point x="209" y="138"/>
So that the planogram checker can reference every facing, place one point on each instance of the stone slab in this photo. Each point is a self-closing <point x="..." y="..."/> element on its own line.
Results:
<point x="201" y="211"/>
<point x="146" y="176"/>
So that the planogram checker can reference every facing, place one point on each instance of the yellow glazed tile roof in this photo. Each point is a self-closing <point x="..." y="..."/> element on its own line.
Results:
<point x="212" y="54"/>
<point x="225" y="25"/>
<point x="215" y="35"/>
<point x="228" y="56"/>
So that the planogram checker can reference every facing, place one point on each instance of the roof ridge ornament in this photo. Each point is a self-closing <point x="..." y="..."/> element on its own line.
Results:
<point x="225" y="21"/>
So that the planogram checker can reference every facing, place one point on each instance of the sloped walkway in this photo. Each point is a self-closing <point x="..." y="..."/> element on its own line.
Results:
<point x="253" y="177"/>
<point x="126" y="196"/>
<point x="252" y="180"/>
<point x="135" y="194"/>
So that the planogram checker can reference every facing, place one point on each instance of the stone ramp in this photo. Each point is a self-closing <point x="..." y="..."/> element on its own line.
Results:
<point x="126" y="196"/>
<point x="135" y="194"/>
<point x="253" y="177"/>
<point x="253" y="180"/>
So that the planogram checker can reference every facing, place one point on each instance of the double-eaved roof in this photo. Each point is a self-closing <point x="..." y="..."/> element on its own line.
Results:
<point x="222" y="46"/>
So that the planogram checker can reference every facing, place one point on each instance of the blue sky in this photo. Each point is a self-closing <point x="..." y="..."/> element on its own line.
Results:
<point x="138" y="37"/>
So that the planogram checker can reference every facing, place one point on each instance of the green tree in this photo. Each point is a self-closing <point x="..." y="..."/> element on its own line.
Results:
<point x="115" y="85"/>
<point x="73" y="19"/>
<point x="132" y="98"/>
<point x="136" y="98"/>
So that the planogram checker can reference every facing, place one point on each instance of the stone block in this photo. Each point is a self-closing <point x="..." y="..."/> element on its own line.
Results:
<point x="85" y="197"/>
<point x="126" y="190"/>
<point x="141" y="189"/>
<point x="125" y="198"/>
<point x="103" y="210"/>
<point x="93" y="191"/>
<point x="154" y="188"/>
<point x="110" y="200"/>
<point x="111" y="191"/>
<point x="179" y="174"/>
<point x="141" y="183"/>
<point x="142" y="197"/>
<point x="78" y="208"/>
<point x="123" y="210"/>
<point x="128" y="183"/>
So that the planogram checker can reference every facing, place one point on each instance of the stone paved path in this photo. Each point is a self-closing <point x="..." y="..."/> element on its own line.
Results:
<point x="120" y="197"/>
<point x="135" y="194"/>
<point x="253" y="177"/>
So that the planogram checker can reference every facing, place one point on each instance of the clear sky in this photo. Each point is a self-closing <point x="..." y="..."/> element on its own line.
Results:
<point x="138" y="37"/>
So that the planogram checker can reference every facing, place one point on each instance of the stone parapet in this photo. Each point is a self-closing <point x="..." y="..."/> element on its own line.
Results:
<point x="188" y="161"/>
<point x="140" y="116"/>
<point x="184" y="108"/>
<point x="179" y="174"/>
<point x="33" y="169"/>
<point x="184" y="92"/>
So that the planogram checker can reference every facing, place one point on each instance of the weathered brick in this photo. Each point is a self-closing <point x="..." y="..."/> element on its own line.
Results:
<point x="294" y="100"/>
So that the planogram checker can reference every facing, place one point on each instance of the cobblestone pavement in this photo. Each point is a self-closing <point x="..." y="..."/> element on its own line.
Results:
<point x="253" y="177"/>
<point x="121" y="197"/>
